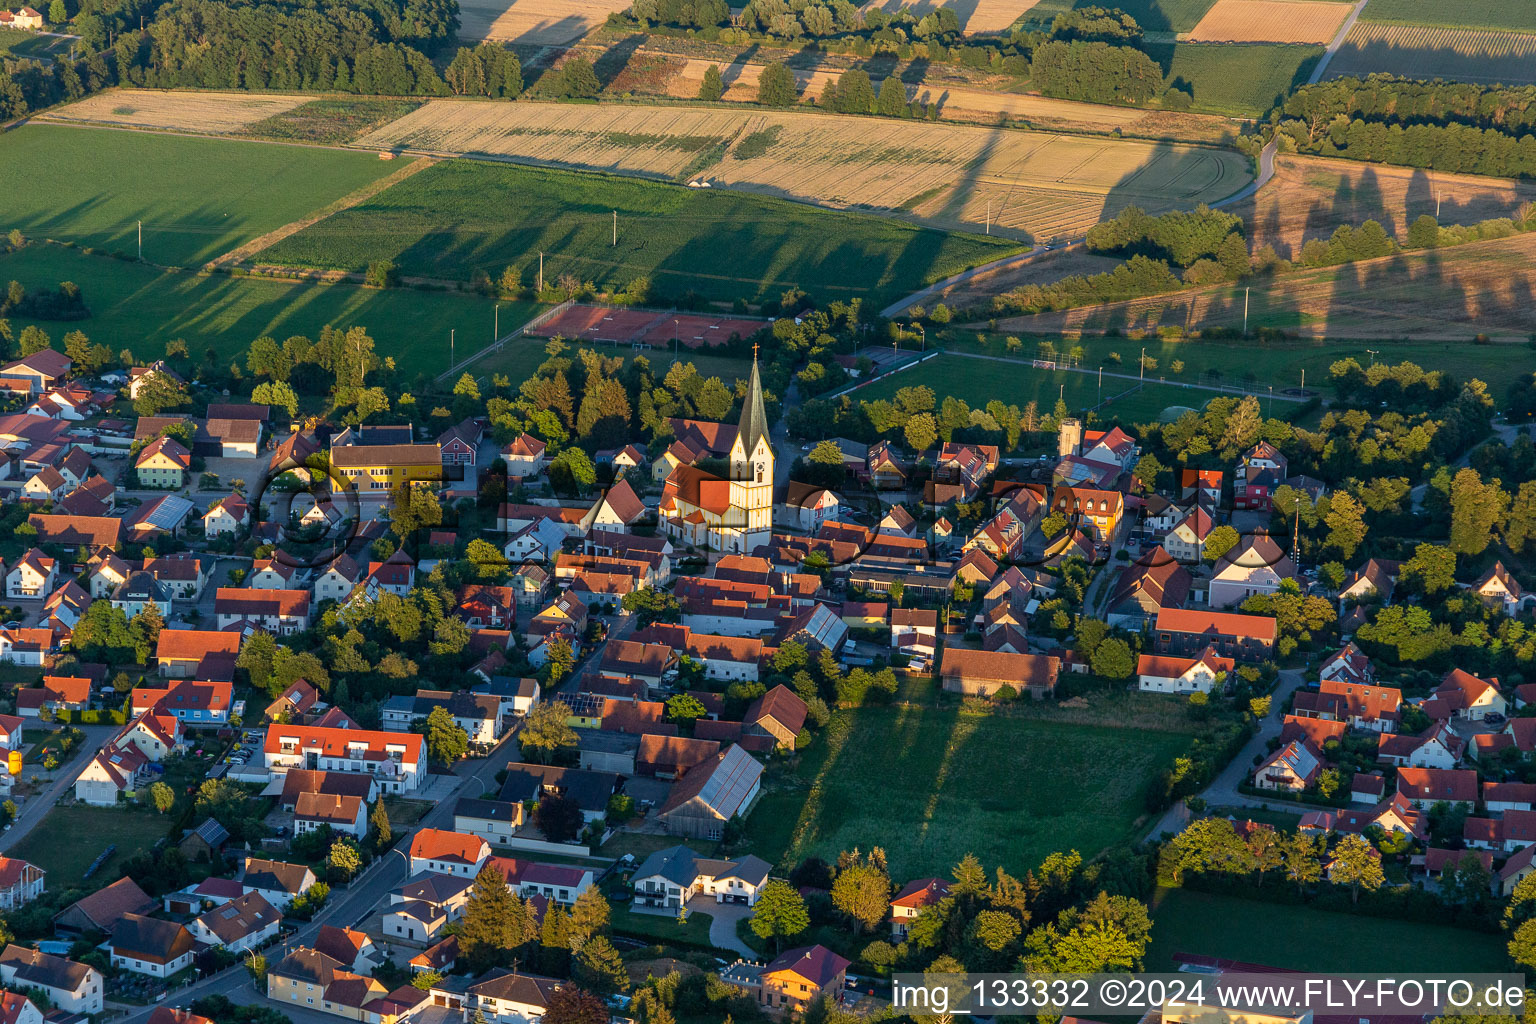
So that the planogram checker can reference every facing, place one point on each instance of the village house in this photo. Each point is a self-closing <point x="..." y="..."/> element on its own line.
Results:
<point x="1163" y="674"/>
<point x="1259" y="472"/>
<point x="343" y="814"/>
<point x="396" y="761"/>
<point x="1255" y="566"/>
<point x="280" y="612"/>
<point x="1152" y="582"/>
<point x="1361" y="706"/>
<point x="147" y="945"/>
<point x="1498" y="589"/>
<point x="33" y="576"/>
<point x="711" y="794"/>
<point x="69" y="985"/>
<point x="246" y="922"/>
<point x="163" y="464"/>
<point x="1188" y="633"/>
<point x="1292" y="768"/>
<point x="21" y="882"/>
<point x="179" y="653"/>
<point x="672" y="877"/>
<point x="798" y="977"/>
<point x="910" y="901"/>
<point x="524" y="457"/>
<point x="1461" y="695"/>
<point x="278" y="882"/>
<point x="984" y="673"/>
<point x="226" y="516"/>
<point x="1425" y="787"/>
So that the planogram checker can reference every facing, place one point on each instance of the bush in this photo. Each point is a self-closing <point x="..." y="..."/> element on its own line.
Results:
<point x="382" y="274"/>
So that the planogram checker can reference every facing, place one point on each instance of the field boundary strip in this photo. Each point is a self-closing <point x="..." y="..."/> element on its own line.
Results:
<point x="242" y="253"/>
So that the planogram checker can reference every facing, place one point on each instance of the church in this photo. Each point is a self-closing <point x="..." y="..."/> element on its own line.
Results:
<point x="732" y="515"/>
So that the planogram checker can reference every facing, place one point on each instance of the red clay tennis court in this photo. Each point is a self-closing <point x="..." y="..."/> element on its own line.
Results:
<point x="644" y="326"/>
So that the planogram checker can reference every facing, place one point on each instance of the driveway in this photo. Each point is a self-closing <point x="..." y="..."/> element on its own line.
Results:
<point x="1223" y="791"/>
<point x="722" y="924"/>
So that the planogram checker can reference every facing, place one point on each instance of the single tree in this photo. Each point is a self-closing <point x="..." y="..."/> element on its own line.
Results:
<point x="446" y="739"/>
<point x="863" y="892"/>
<point x="780" y="913"/>
<point x="571" y="1005"/>
<point x="162" y="796"/>
<point x="713" y="86"/>
<point x="776" y="86"/>
<point x="599" y="968"/>
<point x="559" y="818"/>
<point x="546" y="730"/>
<point x="1357" y="865"/>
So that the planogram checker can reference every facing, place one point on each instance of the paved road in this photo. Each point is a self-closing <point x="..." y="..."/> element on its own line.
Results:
<point x="1266" y="171"/>
<point x="1502" y="432"/>
<point x="1338" y="42"/>
<point x="1223" y="792"/>
<point x="34" y="810"/>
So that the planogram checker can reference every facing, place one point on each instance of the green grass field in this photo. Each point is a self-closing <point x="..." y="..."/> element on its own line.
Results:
<point x="198" y="198"/>
<point x="66" y="841"/>
<point x="978" y="382"/>
<point x="142" y="308"/>
<point x="1239" y="79"/>
<point x="465" y="215"/>
<point x="932" y="784"/>
<point x="1519" y="15"/>
<point x="17" y="42"/>
<point x="1304" y="939"/>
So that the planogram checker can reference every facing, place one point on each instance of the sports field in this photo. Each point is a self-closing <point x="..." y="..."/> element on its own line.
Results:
<point x="1456" y="293"/>
<point x="1514" y="15"/>
<point x="979" y="381"/>
<point x="1270" y="21"/>
<point x="1483" y="56"/>
<point x="1244" y="80"/>
<point x="1024" y="184"/>
<point x="141" y="308"/>
<point x="197" y="198"/>
<point x="1304" y="939"/>
<point x="466" y="215"/>
<point x="931" y="785"/>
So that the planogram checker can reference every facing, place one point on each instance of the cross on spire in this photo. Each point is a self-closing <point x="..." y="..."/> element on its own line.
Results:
<point x="754" y="351"/>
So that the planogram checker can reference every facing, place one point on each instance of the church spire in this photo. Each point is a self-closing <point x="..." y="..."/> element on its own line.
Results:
<point x="754" y="421"/>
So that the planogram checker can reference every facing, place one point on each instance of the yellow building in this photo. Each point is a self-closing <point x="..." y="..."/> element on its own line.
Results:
<point x="376" y="470"/>
<point x="163" y="463"/>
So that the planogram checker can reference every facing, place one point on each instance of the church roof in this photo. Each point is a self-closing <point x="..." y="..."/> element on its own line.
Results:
<point x="754" y="420"/>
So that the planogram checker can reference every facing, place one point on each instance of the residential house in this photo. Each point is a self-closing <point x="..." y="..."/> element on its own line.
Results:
<point x="1425" y="787"/>
<point x="32" y="577"/>
<point x="1164" y="674"/>
<point x="164" y="464"/>
<point x="806" y="507"/>
<point x="105" y="573"/>
<point x="1095" y="512"/>
<point x="397" y="761"/>
<point x="179" y="653"/>
<point x="139" y="591"/>
<point x="524" y="457"/>
<point x="196" y="702"/>
<point x="479" y="715"/>
<point x="1374" y="581"/>
<point x="1462" y="695"/>
<point x="508" y="996"/>
<point x="779" y="714"/>
<point x="281" y="612"/>
<point x="354" y="950"/>
<point x="1292" y="768"/>
<point x="270" y="574"/>
<point x="38" y="372"/>
<point x="341" y="576"/>
<point x="21" y="882"/>
<point x="907" y="904"/>
<point x="439" y="851"/>
<point x="228" y="515"/>
<point x="672" y="877"/>
<point x="1202" y="485"/>
<point x="1152" y="582"/>
<point x="247" y="922"/>
<point x="183" y="576"/>
<point x="1498" y="589"/>
<point x="798" y="977"/>
<point x="1255" y="566"/>
<point x="278" y="882"/>
<point x="344" y="815"/>
<point x="1436" y="747"/>
<point x="1259" y="472"/>
<point x="147" y="945"/>
<point x="373" y="472"/>
<point x="97" y="912"/>
<point x="69" y="985"/>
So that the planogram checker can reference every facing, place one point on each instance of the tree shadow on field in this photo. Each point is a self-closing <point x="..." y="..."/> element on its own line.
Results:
<point x="616" y="58"/>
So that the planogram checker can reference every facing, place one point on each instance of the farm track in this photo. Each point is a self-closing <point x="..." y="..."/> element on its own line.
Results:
<point x="244" y="252"/>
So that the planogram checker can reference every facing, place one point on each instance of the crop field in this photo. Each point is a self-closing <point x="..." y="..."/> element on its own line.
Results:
<point x="196" y="198"/>
<point x="976" y="16"/>
<point x="1243" y="81"/>
<point x="331" y="120"/>
<point x="533" y="22"/>
<point x="142" y="308"/>
<point x="1311" y="196"/>
<point x="1465" y="55"/>
<point x="1025" y="184"/>
<point x="1456" y="293"/>
<point x="1515" y="15"/>
<point x="921" y="783"/>
<point x="208" y="113"/>
<point x="1270" y="21"/>
<point x="1305" y="939"/>
<point x="463" y="215"/>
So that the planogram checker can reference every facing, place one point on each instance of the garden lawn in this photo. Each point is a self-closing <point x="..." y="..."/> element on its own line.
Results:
<point x="659" y="928"/>
<point x="464" y="215"/>
<point x="197" y="198"/>
<point x="141" y="308"/>
<point x="930" y="785"/>
<point x="68" y="839"/>
<point x="1304" y="939"/>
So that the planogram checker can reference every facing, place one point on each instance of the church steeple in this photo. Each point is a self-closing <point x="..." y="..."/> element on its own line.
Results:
<point x="754" y="421"/>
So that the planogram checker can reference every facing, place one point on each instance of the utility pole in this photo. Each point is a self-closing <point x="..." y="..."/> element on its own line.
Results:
<point x="496" y="331"/>
<point x="541" y="271"/>
<point x="1303" y="381"/>
<point x="1439" y="195"/>
<point x="1101" y="384"/>
<point x="1245" y="310"/>
<point x="989" y="216"/>
<point x="141" y="241"/>
<point x="1142" y="369"/>
<point x="1271" y="401"/>
<point x="451" y="332"/>
<point x="1373" y="353"/>
<point x="615" y="227"/>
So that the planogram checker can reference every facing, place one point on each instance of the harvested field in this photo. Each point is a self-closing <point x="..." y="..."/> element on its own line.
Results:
<point x="1415" y="51"/>
<point x="976" y="16"/>
<point x="1027" y="184"/>
<point x="533" y="22"/>
<point x="1047" y="268"/>
<point x="1270" y="21"/>
<point x="1484" y="287"/>
<point x="209" y="113"/>
<point x="1311" y="196"/>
